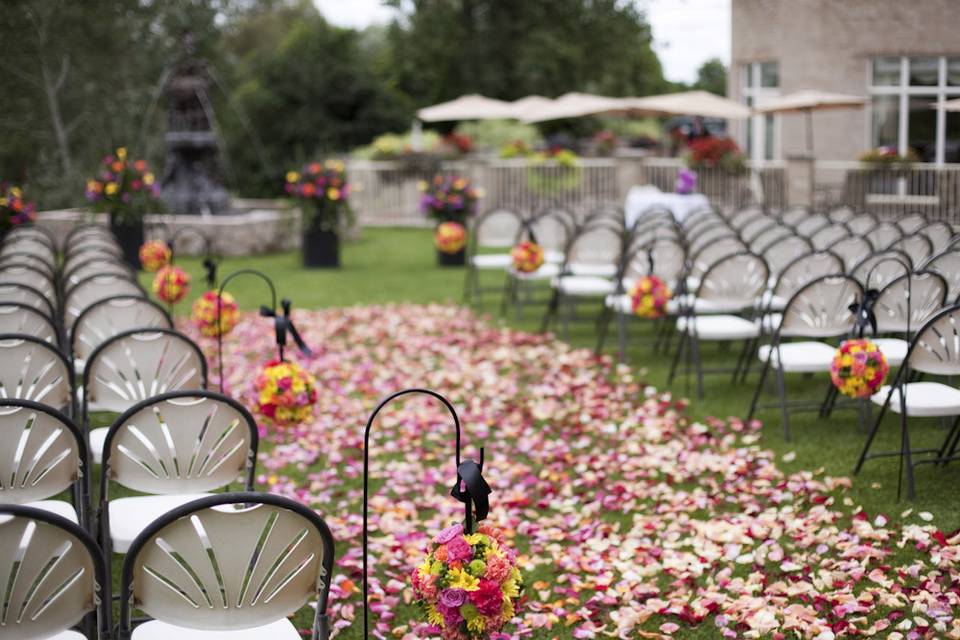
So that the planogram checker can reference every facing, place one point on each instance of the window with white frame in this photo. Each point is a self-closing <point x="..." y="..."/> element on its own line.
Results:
<point x="760" y="81"/>
<point x="907" y="96"/>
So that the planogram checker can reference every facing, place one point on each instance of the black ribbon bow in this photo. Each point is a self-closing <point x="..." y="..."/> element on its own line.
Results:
<point x="211" y="268"/>
<point x="283" y="324"/>
<point x="864" y="313"/>
<point x="474" y="488"/>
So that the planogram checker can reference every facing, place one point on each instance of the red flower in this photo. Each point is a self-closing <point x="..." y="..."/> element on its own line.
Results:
<point x="488" y="599"/>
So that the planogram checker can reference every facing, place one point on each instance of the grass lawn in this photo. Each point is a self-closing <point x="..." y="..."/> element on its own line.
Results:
<point x="398" y="265"/>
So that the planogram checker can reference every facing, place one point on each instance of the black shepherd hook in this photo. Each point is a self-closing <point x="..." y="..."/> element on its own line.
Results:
<point x="475" y="491"/>
<point x="272" y="309"/>
<point x="209" y="259"/>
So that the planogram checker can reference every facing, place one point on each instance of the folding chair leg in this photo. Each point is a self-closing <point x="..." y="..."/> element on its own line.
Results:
<point x="621" y="337"/>
<point x="756" y="394"/>
<point x="782" y="392"/>
<point x="872" y="435"/>
<point x="603" y="324"/>
<point x="507" y="297"/>
<point x="949" y="448"/>
<point x="681" y="343"/>
<point x="906" y="459"/>
<point x="748" y="360"/>
<point x="695" y="356"/>
<point x="468" y="285"/>
<point x="551" y="311"/>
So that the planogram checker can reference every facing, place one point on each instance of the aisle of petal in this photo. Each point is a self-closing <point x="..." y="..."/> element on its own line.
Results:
<point x="630" y="520"/>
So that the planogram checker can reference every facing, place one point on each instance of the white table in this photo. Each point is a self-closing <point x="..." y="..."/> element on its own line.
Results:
<point x="643" y="199"/>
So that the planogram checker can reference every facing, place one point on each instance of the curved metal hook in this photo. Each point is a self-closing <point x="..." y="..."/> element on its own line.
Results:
<point x="908" y="274"/>
<point x="366" y="476"/>
<point x="207" y="242"/>
<point x="223" y="286"/>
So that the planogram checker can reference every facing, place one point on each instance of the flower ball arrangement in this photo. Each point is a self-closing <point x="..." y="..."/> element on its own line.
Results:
<point x="859" y="368"/>
<point x="154" y="255"/>
<point x="450" y="237"/>
<point x="469" y="584"/>
<point x="204" y="314"/>
<point x="527" y="257"/>
<point x="171" y="284"/>
<point x="285" y="392"/>
<point x="649" y="297"/>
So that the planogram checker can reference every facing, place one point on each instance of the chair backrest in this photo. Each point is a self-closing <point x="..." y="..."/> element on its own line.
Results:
<point x="917" y="246"/>
<point x="599" y="243"/>
<point x="878" y="269"/>
<point x="794" y="215"/>
<point x="735" y="281"/>
<point x="44" y="453"/>
<point x="747" y="216"/>
<point x="30" y="246"/>
<point x="141" y="363"/>
<point x="41" y="264"/>
<point x="93" y="289"/>
<point x="20" y="273"/>
<point x="702" y="260"/>
<point x="755" y="227"/>
<point x="826" y="236"/>
<point x="939" y="234"/>
<point x="811" y="224"/>
<point x="498" y="228"/>
<point x="93" y="244"/>
<point x="912" y="222"/>
<point x="52" y="572"/>
<point x="551" y="230"/>
<point x="852" y="250"/>
<point x="769" y="237"/>
<point x="862" y="223"/>
<point x="33" y="369"/>
<point x="180" y="443"/>
<point x="16" y="317"/>
<point x="840" y="214"/>
<point x="936" y="347"/>
<point x="32" y="232"/>
<point x="947" y="264"/>
<point x="111" y="316"/>
<point x="781" y="253"/>
<point x="25" y="294"/>
<point x="804" y="269"/>
<point x="711" y="234"/>
<point x="101" y="265"/>
<point x="228" y="562"/>
<point x="883" y="235"/>
<point x="820" y="309"/>
<point x="905" y="304"/>
<point x="663" y="258"/>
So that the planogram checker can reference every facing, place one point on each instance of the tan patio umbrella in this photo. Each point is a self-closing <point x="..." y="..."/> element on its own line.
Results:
<point x="469" y="107"/>
<point x="575" y="105"/>
<point x="688" y="103"/>
<point x="528" y="105"/>
<point x="806" y="102"/>
<point x="950" y="105"/>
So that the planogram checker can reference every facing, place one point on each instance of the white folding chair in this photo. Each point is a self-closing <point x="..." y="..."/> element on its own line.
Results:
<point x="30" y="296"/>
<point x="911" y="223"/>
<point x="879" y="269"/>
<point x="93" y="289"/>
<point x="495" y="229"/>
<point x="34" y="369"/>
<point x="828" y="235"/>
<point x="810" y="225"/>
<point x="25" y="274"/>
<point x="46" y="454"/>
<point x="818" y="311"/>
<point x="947" y="264"/>
<point x="784" y="251"/>
<point x="939" y="234"/>
<point x="852" y="250"/>
<point x="174" y="447"/>
<point x="917" y="246"/>
<point x="54" y="578"/>
<point x="16" y="317"/>
<point x="96" y="266"/>
<point x="234" y="565"/>
<point x="134" y="366"/>
<point x="862" y="223"/>
<point x="903" y="306"/>
<point x="109" y="317"/>
<point x="883" y="235"/>
<point x="935" y="351"/>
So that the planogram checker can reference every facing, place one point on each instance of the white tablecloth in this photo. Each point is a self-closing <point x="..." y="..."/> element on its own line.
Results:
<point x="640" y="200"/>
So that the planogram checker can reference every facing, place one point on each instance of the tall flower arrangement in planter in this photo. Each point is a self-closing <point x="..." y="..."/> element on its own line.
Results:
<point x="715" y="153"/>
<point x="14" y="208"/>
<point x="323" y="192"/>
<point x="449" y="201"/>
<point x="126" y="189"/>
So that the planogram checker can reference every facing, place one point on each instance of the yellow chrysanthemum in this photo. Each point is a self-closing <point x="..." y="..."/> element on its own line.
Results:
<point x="434" y="616"/>
<point x="111" y="188"/>
<point x="474" y="538"/>
<point x="460" y="579"/>
<point x="148" y="179"/>
<point x="292" y="176"/>
<point x="122" y="153"/>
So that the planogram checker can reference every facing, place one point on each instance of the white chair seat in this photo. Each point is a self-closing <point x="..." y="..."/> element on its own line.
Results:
<point x="156" y="630"/>
<point x="491" y="260"/>
<point x="719" y="327"/>
<point x="130" y="516"/>
<point x="801" y="357"/>
<point x="545" y="272"/>
<point x="770" y="322"/>
<point x="619" y="303"/>
<point x="97" y="438"/>
<point x="591" y="269"/>
<point x="930" y="399"/>
<point x="894" y="349"/>
<point x="584" y="286"/>
<point x="553" y="256"/>
<point x="67" y="635"/>
<point x="701" y="306"/>
<point x="61" y="508"/>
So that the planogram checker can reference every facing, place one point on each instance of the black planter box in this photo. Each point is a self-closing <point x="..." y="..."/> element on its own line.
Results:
<point x="129" y="234"/>
<point x="321" y="248"/>
<point x="457" y="259"/>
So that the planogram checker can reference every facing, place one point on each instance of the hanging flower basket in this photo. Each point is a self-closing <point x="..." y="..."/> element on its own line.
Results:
<point x="649" y="297"/>
<point x="171" y="284"/>
<point x="154" y="255"/>
<point x="859" y="368"/>
<point x="469" y="584"/>
<point x="285" y="393"/>
<point x="204" y="314"/>
<point x="527" y="257"/>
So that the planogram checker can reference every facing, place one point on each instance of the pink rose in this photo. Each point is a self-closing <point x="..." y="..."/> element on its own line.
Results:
<point x="449" y="534"/>
<point x="459" y="549"/>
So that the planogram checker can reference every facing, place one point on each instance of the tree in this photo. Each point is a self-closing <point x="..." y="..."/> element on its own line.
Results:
<point x="712" y="77"/>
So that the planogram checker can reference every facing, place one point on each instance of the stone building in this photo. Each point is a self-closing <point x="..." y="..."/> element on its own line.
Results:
<point x="903" y="55"/>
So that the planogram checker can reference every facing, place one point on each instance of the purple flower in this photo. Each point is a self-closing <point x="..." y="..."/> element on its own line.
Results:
<point x="453" y="598"/>
<point x="686" y="182"/>
<point x="449" y="534"/>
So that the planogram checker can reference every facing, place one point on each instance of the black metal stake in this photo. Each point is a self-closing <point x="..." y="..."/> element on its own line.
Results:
<point x="466" y="497"/>
<point x="273" y="308"/>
